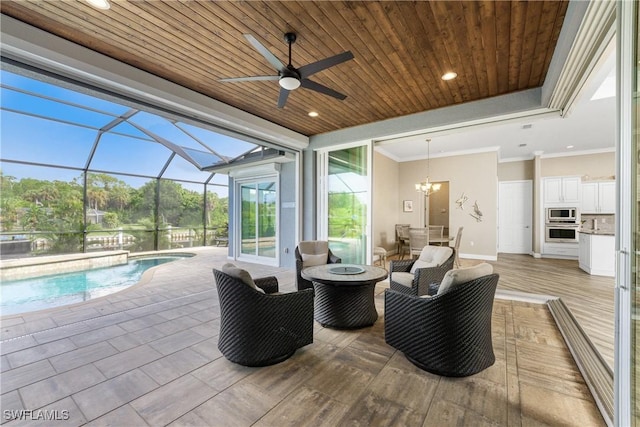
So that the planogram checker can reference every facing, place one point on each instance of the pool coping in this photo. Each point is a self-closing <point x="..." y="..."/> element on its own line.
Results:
<point x="146" y="277"/>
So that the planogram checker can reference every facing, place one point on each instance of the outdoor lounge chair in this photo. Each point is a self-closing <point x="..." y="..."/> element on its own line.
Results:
<point x="449" y="333"/>
<point x="259" y="326"/>
<point x="309" y="253"/>
<point x="414" y="276"/>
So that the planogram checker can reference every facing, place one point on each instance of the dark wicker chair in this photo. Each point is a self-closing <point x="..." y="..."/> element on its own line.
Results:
<point x="447" y="334"/>
<point x="422" y="277"/>
<point x="259" y="329"/>
<point x="302" y="283"/>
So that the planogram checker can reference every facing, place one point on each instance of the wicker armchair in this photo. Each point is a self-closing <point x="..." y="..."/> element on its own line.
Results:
<point x="418" y="282"/>
<point x="306" y="254"/>
<point x="259" y="329"/>
<point x="447" y="334"/>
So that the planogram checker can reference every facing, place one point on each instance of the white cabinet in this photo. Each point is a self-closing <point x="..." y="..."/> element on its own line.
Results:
<point x="598" y="198"/>
<point x="597" y="254"/>
<point x="562" y="191"/>
<point x="560" y="250"/>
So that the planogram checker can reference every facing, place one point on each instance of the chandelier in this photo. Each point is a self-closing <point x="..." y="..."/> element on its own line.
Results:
<point x="425" y="186"/>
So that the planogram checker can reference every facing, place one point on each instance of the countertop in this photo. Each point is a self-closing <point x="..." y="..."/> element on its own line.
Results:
<point x="598" y="232"/>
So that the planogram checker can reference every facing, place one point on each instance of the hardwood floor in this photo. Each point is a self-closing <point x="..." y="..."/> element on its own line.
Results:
<point x="590" y="298"/>
<point x="148" y="356"/>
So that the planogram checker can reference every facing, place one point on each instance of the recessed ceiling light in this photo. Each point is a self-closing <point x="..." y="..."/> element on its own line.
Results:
<point x="100" y="4"/>
<point x="569" y="147"/>
<point x="313" y="114"/>
<point x="449" y="76"/>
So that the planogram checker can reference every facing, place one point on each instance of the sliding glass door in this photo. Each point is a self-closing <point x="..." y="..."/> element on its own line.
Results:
<point x="627" y="381"/>
<point x="258" y="225"/>
<point x="344" y="202"/>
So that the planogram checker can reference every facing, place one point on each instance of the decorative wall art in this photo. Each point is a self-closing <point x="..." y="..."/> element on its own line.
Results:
<point x="477" y="214"/>
<point x="407" y="206"/>
<point x="461" y="201"/>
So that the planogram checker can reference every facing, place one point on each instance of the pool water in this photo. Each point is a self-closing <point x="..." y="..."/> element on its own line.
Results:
<point x="37" y="293"/>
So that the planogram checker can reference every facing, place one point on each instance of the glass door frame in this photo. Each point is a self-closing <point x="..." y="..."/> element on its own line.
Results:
<point x="323" y="192"/>
<point x="255" y="258"/>
<point x="625" y="366"/>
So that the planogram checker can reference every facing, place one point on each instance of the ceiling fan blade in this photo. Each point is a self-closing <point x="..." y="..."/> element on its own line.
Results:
<point x="275" y="62"/>
<point x="282" y="99"/>
<point x="249" y="79"/>
<point x="309" y="69"/>
<point x="309" y="84"/>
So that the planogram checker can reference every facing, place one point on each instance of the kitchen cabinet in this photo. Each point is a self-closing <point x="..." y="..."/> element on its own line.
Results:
<point x="562" y="191"/>
<point x="598" y="197"/>
<point x="597" y="254"/>
<point x="560" y="250"/>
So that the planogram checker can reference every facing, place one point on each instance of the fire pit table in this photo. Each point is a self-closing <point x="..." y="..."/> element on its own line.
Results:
<point x="344" y="294"/>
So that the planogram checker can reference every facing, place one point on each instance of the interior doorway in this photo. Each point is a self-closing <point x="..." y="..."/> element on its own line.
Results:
<point x="437" y="207"/>
<point x="515" y="200"/>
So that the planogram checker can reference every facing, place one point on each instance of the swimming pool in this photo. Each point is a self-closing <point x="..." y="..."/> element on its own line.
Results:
<point x="20" y="296"/>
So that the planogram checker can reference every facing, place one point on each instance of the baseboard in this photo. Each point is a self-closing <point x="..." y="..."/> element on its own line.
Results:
<point x="481" y="257"/>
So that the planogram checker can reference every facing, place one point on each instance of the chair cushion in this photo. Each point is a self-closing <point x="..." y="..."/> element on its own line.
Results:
<point x="403" y="278"/>
<point x="309" y="260"/>
<point x="457" y="277"/>
<point x="313" y="252"/>
<point x="314" y="247"/>
<point x="432" y="256"/>
<point x="240" y="274"/>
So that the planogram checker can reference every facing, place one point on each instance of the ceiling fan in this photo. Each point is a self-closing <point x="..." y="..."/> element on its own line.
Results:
<point x="291" y="78"/>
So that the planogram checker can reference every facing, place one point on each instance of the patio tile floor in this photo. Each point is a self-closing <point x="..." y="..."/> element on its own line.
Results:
<point x="148" y="356"/>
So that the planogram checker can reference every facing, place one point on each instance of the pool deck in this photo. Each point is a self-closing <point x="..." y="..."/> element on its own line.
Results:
<point x="148" y="356"/>
<point x="124" y="344"/>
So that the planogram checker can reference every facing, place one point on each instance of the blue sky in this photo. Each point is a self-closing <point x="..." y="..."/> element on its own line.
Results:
<point x="48" y="124"/>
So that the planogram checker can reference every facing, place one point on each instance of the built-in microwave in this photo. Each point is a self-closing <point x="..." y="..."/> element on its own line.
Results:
<point x="561" y="233"/>
<point x="565" y="215"/>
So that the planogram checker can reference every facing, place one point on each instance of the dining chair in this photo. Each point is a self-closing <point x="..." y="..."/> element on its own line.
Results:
<point x="456" y="246"/>
<point x="418" y="239"/>
<point x="402" y="238"/>
<point x="436" y="233"/>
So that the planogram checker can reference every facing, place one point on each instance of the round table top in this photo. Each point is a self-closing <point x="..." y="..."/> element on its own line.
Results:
<point x="350" y="274"/>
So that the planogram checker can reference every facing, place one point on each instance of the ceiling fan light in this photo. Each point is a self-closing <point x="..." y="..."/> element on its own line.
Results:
<point x="100" y="4"/>
<point x="449" y="76"/>
<point x="289" y="83"/>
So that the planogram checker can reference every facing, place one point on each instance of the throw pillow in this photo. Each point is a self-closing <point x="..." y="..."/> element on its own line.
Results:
<point x="421" y="264"/>
<point x="431" y="256"/>
<point x="459" y="276"/>
<point x="240" y="274"/>
<point x="309" y="260"/>
<point x="441" y="254"/>
<point x="313" y="247"/>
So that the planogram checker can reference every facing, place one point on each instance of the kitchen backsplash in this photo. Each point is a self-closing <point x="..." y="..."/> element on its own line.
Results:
<point x="605" y="222"/>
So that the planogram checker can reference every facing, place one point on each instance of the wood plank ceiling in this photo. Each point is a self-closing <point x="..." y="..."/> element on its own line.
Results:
<point x="401" y="50"/>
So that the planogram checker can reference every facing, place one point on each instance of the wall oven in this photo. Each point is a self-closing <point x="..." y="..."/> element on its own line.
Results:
<point x="561" y="233"/>
<point x="567" y="215"/>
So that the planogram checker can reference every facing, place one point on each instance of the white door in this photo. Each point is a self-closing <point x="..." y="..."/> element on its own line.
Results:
<point x="515" y="217"/>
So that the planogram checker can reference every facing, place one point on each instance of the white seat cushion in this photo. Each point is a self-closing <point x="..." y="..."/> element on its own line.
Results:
<point x="460" y="276"/>
<point x="240" y="274"/>
<point x="313" y="252"/>
<point x="432" y="256"/>
<point x="403" y="278"/>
